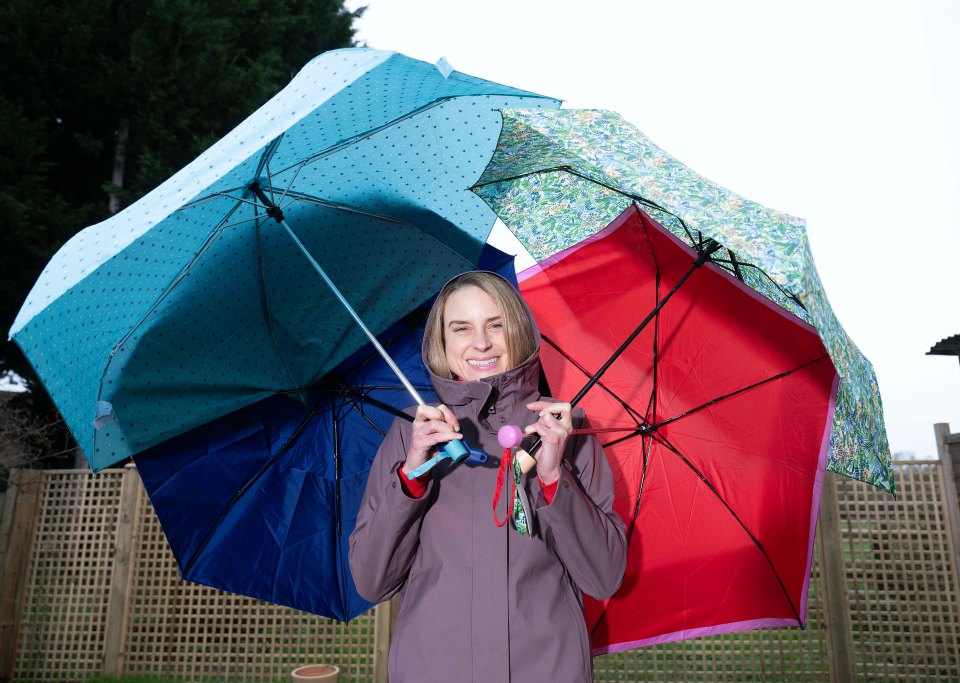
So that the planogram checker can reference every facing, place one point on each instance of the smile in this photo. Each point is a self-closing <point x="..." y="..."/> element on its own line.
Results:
<point x="483" y="364"/>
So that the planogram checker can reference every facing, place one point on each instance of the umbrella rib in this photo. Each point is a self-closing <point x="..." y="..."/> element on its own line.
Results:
<point x="630" y="410"/>
<point x="707" y="248"/>
<point x="221" y="194"/>
<point x="267" y="155"/>
<point x="242" y="491"/>
<point x="565" y="168"/>
<point x="177" y="280"/>
<point x="652" y="407"/>
<point x="737" y="264"/>
<point x="268" y="313"/>
<point x="290" y="184"/>
<point x="647" y="202"/>
<point x="347" y="142"/>
<point x="340" y="207"/>
<point x="779" y="375"/>
<point x="663" y="440"/>
<point x="647" y="450"/>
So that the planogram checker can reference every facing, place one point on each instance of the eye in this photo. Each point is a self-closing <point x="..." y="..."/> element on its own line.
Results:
<point x="496" y="326"/>
<point x="461" y="328"/>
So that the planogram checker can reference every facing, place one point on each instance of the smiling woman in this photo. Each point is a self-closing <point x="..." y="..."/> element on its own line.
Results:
<point x="477" y="328"/>
<point x="464" y="615"/>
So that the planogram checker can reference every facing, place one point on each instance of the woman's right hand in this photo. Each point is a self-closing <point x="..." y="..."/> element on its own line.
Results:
<point x="432" y="426"/>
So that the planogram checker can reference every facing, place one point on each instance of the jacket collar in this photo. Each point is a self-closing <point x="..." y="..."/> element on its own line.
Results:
<point x="518" y="385"/>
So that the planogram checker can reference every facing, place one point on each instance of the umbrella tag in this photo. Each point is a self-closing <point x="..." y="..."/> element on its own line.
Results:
<point x="103" y="414"/>
<point x="443" y="66"/>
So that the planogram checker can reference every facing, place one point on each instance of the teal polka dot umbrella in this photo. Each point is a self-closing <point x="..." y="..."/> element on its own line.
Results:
<point x="217" y="289"/>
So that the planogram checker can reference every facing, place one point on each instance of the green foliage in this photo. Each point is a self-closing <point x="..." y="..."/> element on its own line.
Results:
<point x="179" y="74"/>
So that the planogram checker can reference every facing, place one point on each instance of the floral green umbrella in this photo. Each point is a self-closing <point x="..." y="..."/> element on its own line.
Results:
<point x="560" y="176"/>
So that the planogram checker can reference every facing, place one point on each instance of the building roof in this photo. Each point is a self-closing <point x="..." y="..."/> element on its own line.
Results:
<point x="946" y="347"/>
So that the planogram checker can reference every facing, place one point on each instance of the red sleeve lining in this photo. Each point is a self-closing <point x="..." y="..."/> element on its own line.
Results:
<point x="549" y="490"/>
<point x="415" y="488"/>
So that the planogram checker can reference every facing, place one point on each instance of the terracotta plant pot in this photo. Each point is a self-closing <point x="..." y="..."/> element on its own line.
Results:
<point x="316" y="673"/>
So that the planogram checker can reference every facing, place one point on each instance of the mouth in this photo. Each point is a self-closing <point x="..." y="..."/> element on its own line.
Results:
<point x="482" y="363"/>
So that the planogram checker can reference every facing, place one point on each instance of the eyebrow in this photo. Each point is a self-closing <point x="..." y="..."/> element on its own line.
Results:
<point x="467" y="322"/>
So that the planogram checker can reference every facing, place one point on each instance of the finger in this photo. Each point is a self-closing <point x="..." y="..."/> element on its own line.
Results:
<point x="449" y="417"/>
<point x="562" y="425"/>
<point x="439" y="427"/>
<point x="535" y="428"/>
<point x="425" y="413"/>
<point x="440" y="438"/>
<point x="557" y="408"/>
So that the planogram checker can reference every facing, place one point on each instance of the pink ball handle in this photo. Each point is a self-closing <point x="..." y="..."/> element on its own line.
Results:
<point x="510" y="436"/>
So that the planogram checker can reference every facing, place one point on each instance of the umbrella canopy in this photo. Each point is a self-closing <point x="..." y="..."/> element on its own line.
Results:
<point x="716" y="420"/>
<point x="193" y="303"/>
<point x="558" y="177"/>
<point x="731" y="385"/>
<point x="261" y="502"/>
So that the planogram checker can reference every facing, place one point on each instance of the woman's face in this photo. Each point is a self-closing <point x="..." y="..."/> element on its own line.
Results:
<point x="473" y="334"/>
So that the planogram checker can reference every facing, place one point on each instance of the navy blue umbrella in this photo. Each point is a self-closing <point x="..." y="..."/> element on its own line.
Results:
<point x="262" y="501"/>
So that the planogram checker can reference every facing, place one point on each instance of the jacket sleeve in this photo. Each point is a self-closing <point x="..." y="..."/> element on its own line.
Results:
<point x="387" y="534"/>
<point x="580" y="525"/>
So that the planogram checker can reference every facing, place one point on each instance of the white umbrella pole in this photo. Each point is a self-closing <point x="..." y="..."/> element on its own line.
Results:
<point x="346" y="304"/>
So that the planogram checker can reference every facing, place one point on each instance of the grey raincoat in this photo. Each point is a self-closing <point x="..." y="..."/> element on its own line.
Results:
<point x="477" y="602"/>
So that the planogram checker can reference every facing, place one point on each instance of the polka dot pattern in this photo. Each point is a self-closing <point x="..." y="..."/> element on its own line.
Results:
<point x="191" y="303"/>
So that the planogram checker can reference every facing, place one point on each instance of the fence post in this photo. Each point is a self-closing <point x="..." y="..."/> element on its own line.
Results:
<point x="947" y="444"/>
<point x="385" y="620"/>
<point x="836" y="606"/>
<point x="21" y="508"/>
<point x="121" y="582"/>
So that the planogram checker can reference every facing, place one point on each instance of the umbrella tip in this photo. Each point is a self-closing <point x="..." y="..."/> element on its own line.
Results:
<point x="443" y="66"/>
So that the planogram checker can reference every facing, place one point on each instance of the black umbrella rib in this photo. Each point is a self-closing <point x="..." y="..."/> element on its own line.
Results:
<point x="246" y="487"/>
<point x="707" y="248"/>
<point x="630" y="410"/>
<point x="737" y="264"/>
<point x="564" y="168"/>
<point x="756" y="541"/>
<point x="649" y="203"/>
<point x="779" y="375"/>
<point x="652" y="406"/>
<point x="647" y="450"/>
<point x="337" y="469"/>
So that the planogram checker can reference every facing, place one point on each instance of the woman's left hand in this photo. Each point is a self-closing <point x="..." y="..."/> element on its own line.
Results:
<point x="554" y="428"/>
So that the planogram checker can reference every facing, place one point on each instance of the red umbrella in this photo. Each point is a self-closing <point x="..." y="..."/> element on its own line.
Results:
<point x="715" y="418"/>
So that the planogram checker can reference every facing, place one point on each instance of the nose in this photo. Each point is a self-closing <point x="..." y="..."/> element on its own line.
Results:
<point x="481" y="341"/>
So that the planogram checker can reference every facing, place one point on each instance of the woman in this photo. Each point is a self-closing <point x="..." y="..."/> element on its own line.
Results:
<point x="480" y="602"/>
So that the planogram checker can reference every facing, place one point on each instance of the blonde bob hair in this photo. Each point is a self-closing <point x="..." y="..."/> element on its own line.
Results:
<point x="517" y="326"/>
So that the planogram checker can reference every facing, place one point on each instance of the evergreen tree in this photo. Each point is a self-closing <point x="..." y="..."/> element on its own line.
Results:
<point x="102" y="100"/>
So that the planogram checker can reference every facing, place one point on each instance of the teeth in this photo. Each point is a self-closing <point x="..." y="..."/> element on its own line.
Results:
<point x="482" y="363"/>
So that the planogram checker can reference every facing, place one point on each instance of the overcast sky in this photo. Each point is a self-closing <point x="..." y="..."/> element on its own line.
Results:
<point x="844" y="113"/>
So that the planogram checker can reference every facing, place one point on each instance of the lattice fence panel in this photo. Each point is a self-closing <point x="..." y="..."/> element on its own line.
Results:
<point x="196" y="633"/>
<point x="789" y="655"/>
<point x="904" y="592"/>
<point x="71" y="566"/>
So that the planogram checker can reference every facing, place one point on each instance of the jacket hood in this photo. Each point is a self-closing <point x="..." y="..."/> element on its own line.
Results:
<point x="520" y="383"/>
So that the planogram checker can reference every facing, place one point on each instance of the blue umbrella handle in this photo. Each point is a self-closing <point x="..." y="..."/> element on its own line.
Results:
<point x="455" y="450"/>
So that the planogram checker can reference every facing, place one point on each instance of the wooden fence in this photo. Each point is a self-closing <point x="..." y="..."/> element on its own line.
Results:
<point x="89" y="587"/>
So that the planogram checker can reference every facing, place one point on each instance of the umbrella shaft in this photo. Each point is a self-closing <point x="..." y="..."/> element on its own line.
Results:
<point x="707" y="248"/>
<point x="346" y="304"/>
